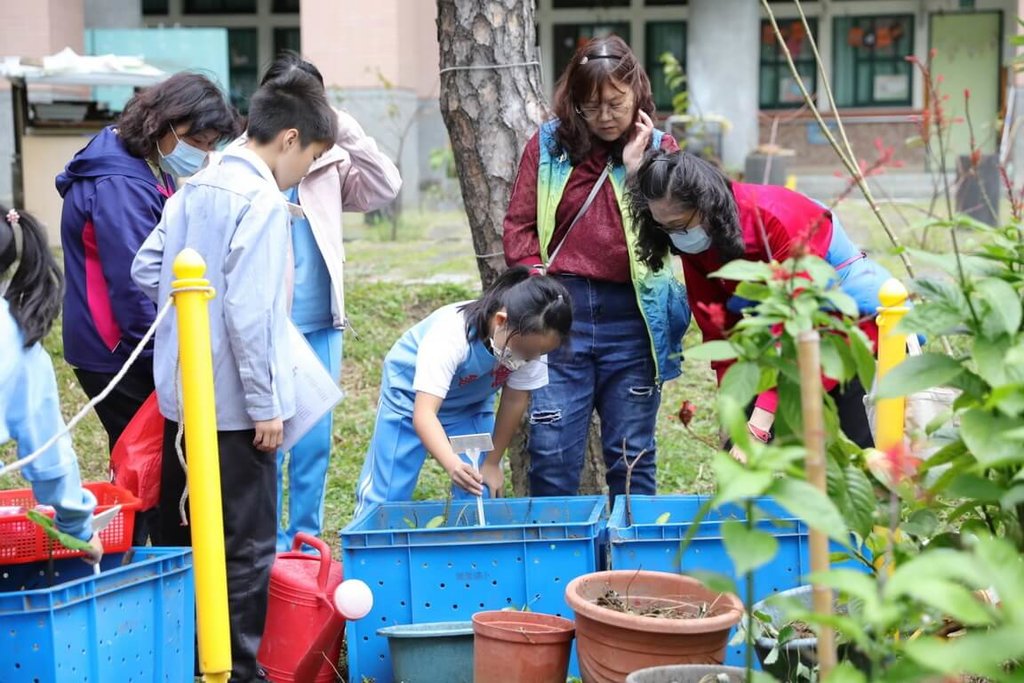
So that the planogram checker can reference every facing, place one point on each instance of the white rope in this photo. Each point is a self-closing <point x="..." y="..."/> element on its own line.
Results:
<point x="73" y="422"/>
<point x="482" y="67"/>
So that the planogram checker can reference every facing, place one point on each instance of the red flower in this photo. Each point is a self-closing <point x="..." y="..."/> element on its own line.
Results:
<point x="686" y="412"/>
<point x="894" y="467"/>
<point x="715" y="314"/>
<point x="975" y="158"/>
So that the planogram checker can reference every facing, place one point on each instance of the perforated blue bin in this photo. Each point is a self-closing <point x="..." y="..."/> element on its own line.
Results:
<point x="658" y="547"/>
<point x="529" y="550"/>
<point x="134" y="622"/>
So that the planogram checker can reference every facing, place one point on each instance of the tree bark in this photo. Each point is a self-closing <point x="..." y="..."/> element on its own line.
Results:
<point x="490" y="111"/>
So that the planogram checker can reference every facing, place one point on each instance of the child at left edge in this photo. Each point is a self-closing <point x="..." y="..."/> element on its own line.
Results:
<point x="441" y="377"/>
<point x="233" y="214"/>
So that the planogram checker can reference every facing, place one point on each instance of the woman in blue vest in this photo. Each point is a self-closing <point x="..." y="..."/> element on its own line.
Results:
<point x="568" y="217"/>
<point x="440" y="379"/>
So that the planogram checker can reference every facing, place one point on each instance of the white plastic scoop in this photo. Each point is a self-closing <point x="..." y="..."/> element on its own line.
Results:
<point x="474" y="445"/>
<point x="99" y="523"/>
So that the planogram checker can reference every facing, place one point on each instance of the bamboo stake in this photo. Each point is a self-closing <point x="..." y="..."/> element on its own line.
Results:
<point x="812" y="403"/>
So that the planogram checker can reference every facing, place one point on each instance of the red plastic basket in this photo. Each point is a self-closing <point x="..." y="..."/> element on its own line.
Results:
<point x="21" y="540"/>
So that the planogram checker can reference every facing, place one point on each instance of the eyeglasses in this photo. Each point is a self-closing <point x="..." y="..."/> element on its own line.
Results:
<point x="591" y="112"/>
<point x="686" y="228"/>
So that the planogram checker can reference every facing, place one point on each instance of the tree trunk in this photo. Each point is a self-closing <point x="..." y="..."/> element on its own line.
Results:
<point x="490" y="111"/>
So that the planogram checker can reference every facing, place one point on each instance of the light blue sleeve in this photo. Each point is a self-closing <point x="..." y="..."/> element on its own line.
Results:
<point x="254" y="273"/>
<point x="32" y="417"/>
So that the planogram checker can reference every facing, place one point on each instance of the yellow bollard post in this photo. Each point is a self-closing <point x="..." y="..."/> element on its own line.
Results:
<point x="191" y="292"/>
<point x="892" y="349"/>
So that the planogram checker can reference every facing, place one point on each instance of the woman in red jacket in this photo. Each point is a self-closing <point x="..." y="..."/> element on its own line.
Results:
<point x="686" y="206"/>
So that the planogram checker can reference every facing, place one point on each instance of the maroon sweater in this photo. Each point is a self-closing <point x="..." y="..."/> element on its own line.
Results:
<point x="596" y="247"/>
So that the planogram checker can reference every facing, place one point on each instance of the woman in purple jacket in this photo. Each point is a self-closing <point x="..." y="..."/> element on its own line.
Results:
<point x="114" y="192"/>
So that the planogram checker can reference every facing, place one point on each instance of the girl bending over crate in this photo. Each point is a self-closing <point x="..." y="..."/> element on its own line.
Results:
<point x="441" y="376"/>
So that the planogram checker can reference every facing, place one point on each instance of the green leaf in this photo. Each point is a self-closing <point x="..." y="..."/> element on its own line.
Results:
<point x="737" y="482"/>
<point x="1003" y="303"/>
<point x="984" y="434"/>
<point x="951" y="599"/>
<point x="989" y="355"/>
<point x="434" y="522"/>
<point x="714" y="581"/>
<point x="849" y="582"/>
<point x="719" y="349"/>
<point x="846" y="672"/>
<point x="982" y="654"/>
<point x="663" y="518"/>
<point x="917" y="373"/>
<point x="50" y="528"/>
<point x="931" y="320"/>
<point x="843" y="302"/>
<point x="863" y="357"/>
<point x="832" y="361"/>
<point x="740" y="381"/>
<point x="812" y="506"/>
<point x="740" y="269"/>
<point x="748" y="548"/>
<point x="861" y="493"/>
<point x="922" y="523"/>
<point x="1005" y="573"/>
<point x="978" y="489"/>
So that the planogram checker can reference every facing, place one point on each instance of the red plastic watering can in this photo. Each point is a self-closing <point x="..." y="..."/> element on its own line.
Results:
<point x="303" y="633"/>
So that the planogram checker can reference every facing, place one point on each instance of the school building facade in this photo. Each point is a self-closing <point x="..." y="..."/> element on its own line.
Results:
<point x="380" y="61"/>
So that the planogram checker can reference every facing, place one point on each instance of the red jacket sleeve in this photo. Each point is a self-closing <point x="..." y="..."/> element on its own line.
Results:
<point x="520" y="239"/>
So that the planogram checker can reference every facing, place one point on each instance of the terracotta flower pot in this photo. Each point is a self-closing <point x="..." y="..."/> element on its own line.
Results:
<point x="611" y="644"/>
<point x="520" y="647"/>
<point x="688" y="673"/>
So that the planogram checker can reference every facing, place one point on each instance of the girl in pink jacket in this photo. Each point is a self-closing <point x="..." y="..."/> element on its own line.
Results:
<point x="352" y="176"/>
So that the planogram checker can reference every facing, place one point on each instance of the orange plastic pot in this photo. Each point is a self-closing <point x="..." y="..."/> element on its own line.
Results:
<point x="520" y="647"/>
<point x="611" y="644"/>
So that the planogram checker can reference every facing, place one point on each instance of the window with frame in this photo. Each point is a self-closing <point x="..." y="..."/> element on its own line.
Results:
<point x="287" y="39"/>
<point x="661" y="37"/>
<point x="869" y="63"/>
<point x="220" y="7"/>
<point x="778" y="88"/>
<point x="568" y="37"/>
<point x="243" y="61"/>
<point x="150" y="7"/>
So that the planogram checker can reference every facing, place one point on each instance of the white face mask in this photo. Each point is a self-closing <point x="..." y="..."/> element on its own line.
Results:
<point x="694" y="241"/>
<point x="508" y="358"/>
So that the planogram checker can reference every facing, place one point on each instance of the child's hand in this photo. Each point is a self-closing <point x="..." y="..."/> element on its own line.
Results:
<point x="466" y="477"/>
<point x="494" y="477"/>
<point x="95" y="554"/>
<point x="269" y="435"/>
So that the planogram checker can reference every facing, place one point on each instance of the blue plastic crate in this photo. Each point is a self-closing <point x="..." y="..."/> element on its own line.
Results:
<point x="134" y="622"/>
<point x="529" y="550"/>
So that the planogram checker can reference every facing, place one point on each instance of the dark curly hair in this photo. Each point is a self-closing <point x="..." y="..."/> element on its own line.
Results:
<point x="182" y="98"/>
<point x="594" y="64"/>
<point x="693" y="183"/>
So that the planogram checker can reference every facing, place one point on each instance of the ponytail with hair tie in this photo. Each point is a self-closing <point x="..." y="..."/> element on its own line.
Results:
<point x="35" y="291"/>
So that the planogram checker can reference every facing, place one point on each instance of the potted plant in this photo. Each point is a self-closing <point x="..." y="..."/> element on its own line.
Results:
<point x="632" y="619"/>
<point x="512" y="646"/>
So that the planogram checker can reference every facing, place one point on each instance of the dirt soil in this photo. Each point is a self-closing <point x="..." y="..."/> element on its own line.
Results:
<point x="653" y="607"/>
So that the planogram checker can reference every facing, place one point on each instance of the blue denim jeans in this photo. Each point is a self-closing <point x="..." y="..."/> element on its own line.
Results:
<point x="605" y="364"/>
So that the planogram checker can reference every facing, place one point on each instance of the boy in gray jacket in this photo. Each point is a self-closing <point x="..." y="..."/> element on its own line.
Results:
<point x="234" y="215"/>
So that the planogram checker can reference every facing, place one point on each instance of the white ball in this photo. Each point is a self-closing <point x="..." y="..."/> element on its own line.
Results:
<point x="353" y="599"/>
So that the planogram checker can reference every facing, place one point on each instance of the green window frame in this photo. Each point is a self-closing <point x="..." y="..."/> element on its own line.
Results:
<point x="869" y="65"/>
<point x="568" y="36"/>
<point x="777" y="87"/>
<point x="661" y="37"/>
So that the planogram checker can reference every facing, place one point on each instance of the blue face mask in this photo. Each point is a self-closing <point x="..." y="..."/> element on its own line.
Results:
<point x="694" y="241"/>
<point x="184" y="159"/>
